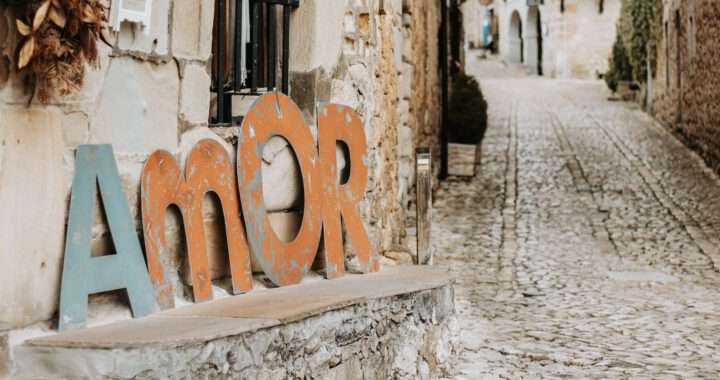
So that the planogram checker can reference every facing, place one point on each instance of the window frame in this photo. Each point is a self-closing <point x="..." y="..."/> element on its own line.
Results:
<point x="249" y="65"/>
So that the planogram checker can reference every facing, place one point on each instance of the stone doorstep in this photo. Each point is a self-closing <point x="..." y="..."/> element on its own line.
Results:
<point x="256" y="310"/>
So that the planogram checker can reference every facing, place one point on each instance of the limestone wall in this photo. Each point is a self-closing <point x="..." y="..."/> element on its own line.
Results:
<point x="152" y="92"/>
<point x="686" y="87"/>
<point x="387" y="70"/>
<point x="148" y="90"/>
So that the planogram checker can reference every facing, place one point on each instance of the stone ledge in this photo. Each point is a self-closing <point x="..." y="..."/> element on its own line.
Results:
<point x="345" y="316"/>
<point x="4" y="351"/>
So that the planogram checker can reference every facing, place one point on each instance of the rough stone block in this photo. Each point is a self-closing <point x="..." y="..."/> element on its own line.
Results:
<point x="33" y="183"/>
<point x="133" y="38"/>
<point x="285" y="225"/>
<point x="189" y="139"/>
<point x="405" y="142"/>
<point x="76" y="129"/>
<point x="315" y="30"/>
<point x="282" y="182"/>
<point x="192" y="24"/>
<point x="405" y="89"/>
<point x="195" y="94"/>
<point x="138" y="108"/>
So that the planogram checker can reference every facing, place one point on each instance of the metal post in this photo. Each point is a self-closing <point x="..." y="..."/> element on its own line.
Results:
<point x="443" y="48"/>
<point x="220" y="63"/>
<point x="255" y="44"/>
<point x="423" y="187"/>
<point x="239" y="64"/>
<point x="286" y="50"/>
<point x="271" y="47"/>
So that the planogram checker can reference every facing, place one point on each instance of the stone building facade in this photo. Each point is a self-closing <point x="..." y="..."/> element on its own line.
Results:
<point x="557" y="38"/>
<point x="152" y="91"/>
<point x="686" y="87"/>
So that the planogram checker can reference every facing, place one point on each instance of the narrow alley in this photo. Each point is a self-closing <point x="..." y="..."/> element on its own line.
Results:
<point x="587" y="246"/>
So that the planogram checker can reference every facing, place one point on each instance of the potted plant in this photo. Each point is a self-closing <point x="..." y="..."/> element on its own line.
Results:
<point x="467" y="124"/>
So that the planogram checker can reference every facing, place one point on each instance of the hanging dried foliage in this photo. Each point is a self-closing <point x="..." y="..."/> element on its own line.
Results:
<point x="58" y="38"/>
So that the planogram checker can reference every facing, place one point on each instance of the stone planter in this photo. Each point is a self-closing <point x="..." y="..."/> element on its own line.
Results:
<point x="628" y="91"/>
<point x="462" y="159"/>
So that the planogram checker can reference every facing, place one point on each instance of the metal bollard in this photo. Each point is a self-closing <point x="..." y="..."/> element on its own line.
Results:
<point x="423" y="187"/>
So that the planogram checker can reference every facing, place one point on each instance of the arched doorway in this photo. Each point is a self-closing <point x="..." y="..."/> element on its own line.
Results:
<point x="533" y="40"/>
<point x="517" y="48"/>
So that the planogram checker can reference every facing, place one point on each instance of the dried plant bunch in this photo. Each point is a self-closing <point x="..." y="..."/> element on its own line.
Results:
<point x="59" y="37"/>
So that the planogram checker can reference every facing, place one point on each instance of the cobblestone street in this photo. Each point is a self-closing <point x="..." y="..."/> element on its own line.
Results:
<point x="588" y="244"/>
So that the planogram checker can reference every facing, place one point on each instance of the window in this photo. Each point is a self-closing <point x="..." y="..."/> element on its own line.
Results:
<point x="250" y="50"/>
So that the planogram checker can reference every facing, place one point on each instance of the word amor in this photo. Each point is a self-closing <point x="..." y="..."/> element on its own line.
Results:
<point x="209" y="168"/>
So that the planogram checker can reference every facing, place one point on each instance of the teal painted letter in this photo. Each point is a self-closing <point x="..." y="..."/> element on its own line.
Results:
<point x="125" y="269"/>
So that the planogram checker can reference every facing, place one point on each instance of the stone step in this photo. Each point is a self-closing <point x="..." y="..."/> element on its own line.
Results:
<point x="319" y="324"/>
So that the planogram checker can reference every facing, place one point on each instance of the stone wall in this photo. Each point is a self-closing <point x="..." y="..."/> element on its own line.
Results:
<point x="387" y="70"/>
<point x="686" y="87"/>
<point x="148" y="90"/>
<point x="152" y="92"/>
<point x="576" y="41"/>
<point x="409" y="336"/>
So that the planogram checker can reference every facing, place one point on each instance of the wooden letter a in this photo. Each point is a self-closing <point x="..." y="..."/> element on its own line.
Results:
<point x="83" y="274"/>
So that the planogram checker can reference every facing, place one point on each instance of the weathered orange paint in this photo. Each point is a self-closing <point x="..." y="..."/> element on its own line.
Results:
<point x="340" y="123"/>
<point x="208" y="168"/>
<point x="275" y="114"/>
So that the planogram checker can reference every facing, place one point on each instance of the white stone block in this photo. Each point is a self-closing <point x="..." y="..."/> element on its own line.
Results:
<point x="138" y="108"/>
<point x="282" y="181"/>
<point x="33" y="193"/>
<point x="191" y="138"/>
<point x="192" y="25"/>
<point x="195" y="94"/>
<point x="132" y="37"/>
<point x="405" y="142"/>
<point x="286" y="225"/>
<point x="76" y="129"/>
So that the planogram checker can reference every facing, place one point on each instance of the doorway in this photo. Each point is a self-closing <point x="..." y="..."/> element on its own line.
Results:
<point x="517" y="43"/>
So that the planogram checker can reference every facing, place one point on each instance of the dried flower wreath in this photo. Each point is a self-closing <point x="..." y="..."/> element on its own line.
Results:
<point x="58" y="37"/>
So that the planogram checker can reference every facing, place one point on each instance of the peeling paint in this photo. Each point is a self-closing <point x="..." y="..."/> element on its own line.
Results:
<point x="275" y="114"/>
<point x="204" y="173"/>
<point x="343" y="200"/>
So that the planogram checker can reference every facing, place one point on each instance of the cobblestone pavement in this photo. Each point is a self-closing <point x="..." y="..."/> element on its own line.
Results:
<point x="587" y="246"/>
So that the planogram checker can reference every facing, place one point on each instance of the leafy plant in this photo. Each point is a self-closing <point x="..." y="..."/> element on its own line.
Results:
<point x="637" y="32"/>
<point x="620" y="67"/>
<point x="58" y="38"/>
<point x="468" y="111"/>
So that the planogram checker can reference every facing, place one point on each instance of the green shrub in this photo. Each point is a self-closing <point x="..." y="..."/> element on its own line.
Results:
<point x="636" y="41"/>
<point x="468" y="111"/>
<point x="620" y="68"/>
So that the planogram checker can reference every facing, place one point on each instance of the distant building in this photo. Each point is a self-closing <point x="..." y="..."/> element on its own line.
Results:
<point x="557" y="38"/>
